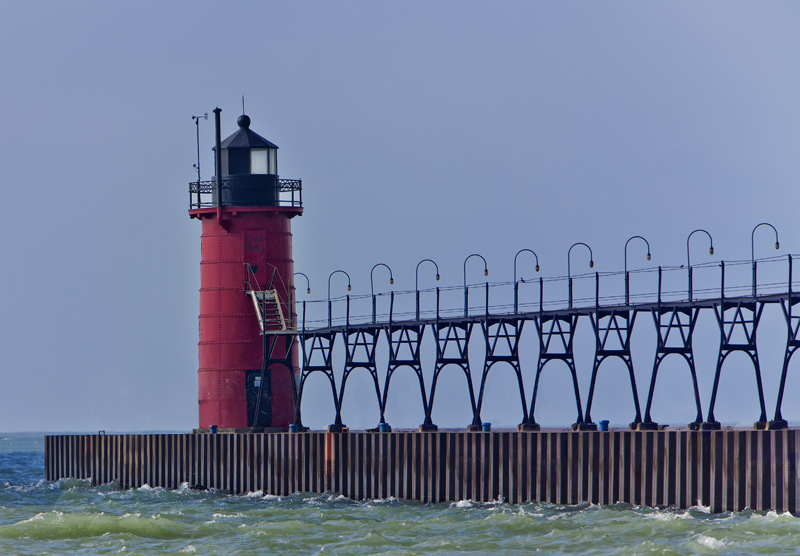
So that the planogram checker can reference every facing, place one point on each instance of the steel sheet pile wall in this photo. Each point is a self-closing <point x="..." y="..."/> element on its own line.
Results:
<point x="726" y="470"/>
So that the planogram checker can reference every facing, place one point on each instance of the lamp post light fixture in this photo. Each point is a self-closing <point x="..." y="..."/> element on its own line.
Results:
<point x="688" y="260"/>
<point x="349" y="288"/>
<point x="627" y="276"/>
<point x="308" y="283"/>
<point x="466" y="290"/>
<point x="516" y="286"/>
<point x="753" y="250"/>
<point x="416" y="280"/>
<point x="372" y="286"/>
<point x="569" y="269"/>
<point x="308" y="291"/>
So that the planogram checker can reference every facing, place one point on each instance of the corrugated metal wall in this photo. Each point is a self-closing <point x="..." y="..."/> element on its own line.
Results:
<point x="726" y="470"/>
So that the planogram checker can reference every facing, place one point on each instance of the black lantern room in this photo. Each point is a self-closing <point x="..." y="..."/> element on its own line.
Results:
<point x="249" y="169"/>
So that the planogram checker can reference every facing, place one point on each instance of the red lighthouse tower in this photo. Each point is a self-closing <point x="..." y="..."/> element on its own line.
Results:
<point x="246" y="284"/>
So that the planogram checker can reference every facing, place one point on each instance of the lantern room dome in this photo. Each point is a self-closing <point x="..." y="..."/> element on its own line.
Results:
<point x="245" y="138"/>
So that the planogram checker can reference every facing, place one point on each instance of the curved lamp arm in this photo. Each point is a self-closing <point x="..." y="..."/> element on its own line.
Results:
<point x="710" y="249"/>
<point x="308" y="284"/>
<point x="626" y="250"/>
<point x="329" y="282"/>
<point x="485" y="268"/>
<point x="591" y="257"/>
<point x="416" y="281"/>
<point x="752" y="240"/>
<point x="372" y="283"/>
<point x="515" y="262"/>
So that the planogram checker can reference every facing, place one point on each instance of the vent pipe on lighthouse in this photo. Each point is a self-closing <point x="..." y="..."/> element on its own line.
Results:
<point x="217" y="154"/>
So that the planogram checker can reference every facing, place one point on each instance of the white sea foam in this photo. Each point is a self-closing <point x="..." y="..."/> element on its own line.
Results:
<point x="226" y="516"/>
<point x="700" y="508"/>
<point x="41" y="516"/>
<point x="710" y="542"/>
<point x="667" y="515"/>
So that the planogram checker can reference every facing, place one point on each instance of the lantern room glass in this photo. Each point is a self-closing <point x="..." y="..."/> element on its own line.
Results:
<point x="263" y="161"/>
<point x="258" y="161"/>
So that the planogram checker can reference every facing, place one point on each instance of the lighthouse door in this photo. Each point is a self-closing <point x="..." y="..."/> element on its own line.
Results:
<point x="253" y="386"/>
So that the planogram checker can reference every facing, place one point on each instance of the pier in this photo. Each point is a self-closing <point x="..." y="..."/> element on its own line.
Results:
<point x="701" y="463"/>
<point x="727" y="470"/>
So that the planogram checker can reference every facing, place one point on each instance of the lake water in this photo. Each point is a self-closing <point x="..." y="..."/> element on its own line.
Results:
<point x="71" y="517"/>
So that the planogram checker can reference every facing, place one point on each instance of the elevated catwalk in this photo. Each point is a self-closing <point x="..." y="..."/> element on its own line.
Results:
<point x="726" y="470"/>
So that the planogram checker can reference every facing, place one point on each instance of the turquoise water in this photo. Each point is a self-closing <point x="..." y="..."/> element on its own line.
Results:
<point x="72" y="517"/>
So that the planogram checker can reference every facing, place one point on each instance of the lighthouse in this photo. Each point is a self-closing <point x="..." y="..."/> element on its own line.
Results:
<point x="246" y="354"/>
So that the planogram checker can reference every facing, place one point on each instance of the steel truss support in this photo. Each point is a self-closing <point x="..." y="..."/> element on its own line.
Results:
<point x="556" y="336"/>
<point x="743" y="323"/>
<point x="277" y="351"/>
<point x="452" y="348"/>
<point x="360" y="349"/>
<point x="405" y="343"/>
<point x="792" y="317"/>
<point x="502" y="337"/>
<point x="612" y="332"/>
<point x="317" y="350"/>
<point x="675" y="323"/>
<point x="674" y="336"/>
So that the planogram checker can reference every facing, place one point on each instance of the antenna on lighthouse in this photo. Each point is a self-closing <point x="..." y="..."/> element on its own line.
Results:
<point x="197" y="124"/>
<point x="242" y="105"/>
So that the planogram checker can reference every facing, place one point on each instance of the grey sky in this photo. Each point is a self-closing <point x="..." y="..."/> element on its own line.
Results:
<point x="420" y="130"/>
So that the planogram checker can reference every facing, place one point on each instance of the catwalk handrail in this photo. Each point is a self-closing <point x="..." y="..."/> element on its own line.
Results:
<point x="510" y="304"/>
<point x="737" y="308"/>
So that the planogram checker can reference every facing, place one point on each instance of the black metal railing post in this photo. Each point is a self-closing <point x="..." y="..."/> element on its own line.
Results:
<point x="569" y="304"/>
<point x="597" y="290"/>
<point x="627" y="288"/>
<point x="659" y="289"/>
<point x="541" y="293"/>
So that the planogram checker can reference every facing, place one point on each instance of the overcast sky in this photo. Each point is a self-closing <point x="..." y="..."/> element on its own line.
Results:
<point x="420" y="130"/>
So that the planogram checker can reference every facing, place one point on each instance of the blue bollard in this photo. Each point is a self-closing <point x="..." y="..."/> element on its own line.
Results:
<point x="384" y="427"/>
<point x="212" y="429"/>
<point x="292" y="428"/>
<point x="604" y="425"/>
<point x="486" y="427"/>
